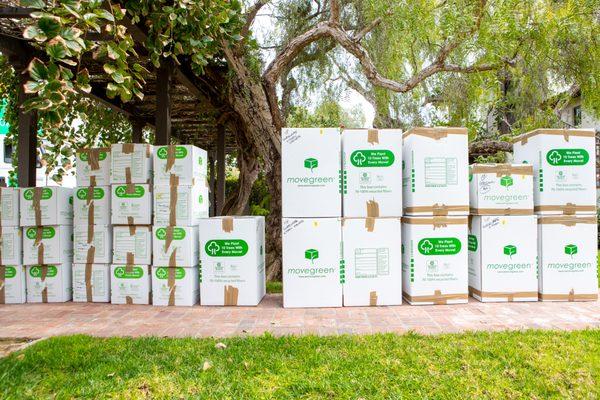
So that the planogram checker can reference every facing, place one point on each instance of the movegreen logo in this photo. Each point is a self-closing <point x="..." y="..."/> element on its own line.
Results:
<point x="510" y="250"/>
<point x="571" y="249"/>
<point x="567" y="157"/>
<point x="180" y="152"/>
<point x="136" y="273"/>
<point x="372" y="158"/>
<point x="506" y="181"/>
<point x="36" y="271"/>
<point x="10" y="272"/>
<point x="311" y="254"/>
<point x="226" y="248"/>
<point x="121" y="191"/>
<point x="472" y="243"/>
<point x="46" y="194"/>
<point x="48" y="232"/>
<point x="439" y="246"/>
<point x="85" y="157"/>
<point x="163" y="273"/>
<point x="311" y="163"/>
<point x="83" y="193"/>
<point x="178" y="233"/>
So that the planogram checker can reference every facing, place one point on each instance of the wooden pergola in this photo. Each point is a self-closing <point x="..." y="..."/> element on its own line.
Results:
<point x="175" y="103"/>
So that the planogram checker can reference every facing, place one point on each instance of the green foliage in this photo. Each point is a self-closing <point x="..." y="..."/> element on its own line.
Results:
<point x="328" y="113"/>
<point x="8" y="98"/>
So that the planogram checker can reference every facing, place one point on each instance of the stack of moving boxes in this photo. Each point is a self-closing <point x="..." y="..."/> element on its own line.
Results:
<point x="12" y="271"/>
<point x="131" y="215"/>
<point x="92" y="232"/>
<point x="180" y="201"/>
<point x="372" y="208"/>
<point x="565" y="201"/>
<point x="436" y="207"/>
<point x="47" y="221"/>
<point x="502" y="233"/>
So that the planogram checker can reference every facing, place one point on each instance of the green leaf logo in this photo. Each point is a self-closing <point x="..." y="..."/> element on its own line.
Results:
<point x="426" y="246"/>
<point x="571" y="249"/>
<point x="161" y="273"/>
<point x="567" y="157"/>
<point x="359" y="158"/>
<point x="311" y="163"/>
<point x="212" y="247"/>
<point x="510" y="250"/>
<point x="161" y="233"/>
<point x="311" y="254"/>
<point x="554" y="157"/>
<point x="506" y="181"/>
<point x="163" y="153"/>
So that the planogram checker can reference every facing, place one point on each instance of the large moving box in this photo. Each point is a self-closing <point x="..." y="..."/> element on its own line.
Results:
<point x="373" y="261"/>
<point x="175" y="246"/>
<point x="501" y="189"/>
<point x="49" y="283"/>
<point x="186" y="162"/>
<point x="130" y="284"/>
<point x="131" y="163"/>
<point x="131" y="204"/>
<point x="564" y="163"/>
<point x="48" y="245"/>
<point x="435" y="171"/>
<point x="372" y="172"/>
<point x="11" y="252"/>
<point x="132" y="245"/>
<point x="313" y="271"/>
<point x="503" y="258"/>
<point x="9" y="206"/>
<point x="12" y="284"/>
<point x="51" y="205"/>
<point x="182" y="205"/>
<point x="175" y="286"/>
<point x="92" y="209"/>
<point x="91" y="283"/>
<point x="232" y="258"/>
<point x="311" y="172"/>
<point x="567" y="248"/>
<point x="97" y="236"/>
<point x="93" y="167"/>
<point x="434" y="261"/>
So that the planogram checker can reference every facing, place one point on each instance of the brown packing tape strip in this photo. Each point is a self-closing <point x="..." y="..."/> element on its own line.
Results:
<point x="230" y="295"/>
<point x="173" y="258"/>
<point x="170" y="158"/>
<point x="227" y="224"/>
<point x="567" y="220"/>
<point x="169" y="230"/>
<point x="172" y="286"/>
<point x="438" y="298"/>
<point x="40" y="245"/>
<point x="148" y="151"/>
<point x="369" y="224"/>
<point x="128" y="175"/>
<point x="565" y="133"/>
<point x="173" y="184"/>
<point x="91" y="255"/>
<point x="127" y="148"/>
<point x="470" y="223"/>
<point x="571" y="296"/>
<point x="130" y="261"/>
<point x="90" y="227"/>
<point x="372" y="209"/>
<point x="45" y="290"/>
<point x="37" y="208"/>
<point x="88" y="281"/>
<point x="128" y="300"/>
<point x="436" y="133"/>
<point x="130" y="188"/>
<point x="92" y="180"/>
<point x="501" y="211"/>
<point x="435" y="220"/>
<point x="373" y="298"/>
<point x="94" y="159"/>
<point x="131" y="225"/>
<point x="437" y="209"/>
<point x="2" y="284"/>
<point x="502" y="169"/>
<point x="567" y="209"/>
<point x="510" y="296"/>
<point x="373" y="136"/>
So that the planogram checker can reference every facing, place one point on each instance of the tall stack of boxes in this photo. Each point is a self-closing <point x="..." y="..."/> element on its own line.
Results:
<point x="47" y="221"/>
<point x="92" y="231"/>
<point x="564" y="192"/>
<point x="436" y="207"/>
<point x="502" y="233"/>
<point x="131" y="215"/>
<point x="12" y="271"/>
<point x="180" y="201"/>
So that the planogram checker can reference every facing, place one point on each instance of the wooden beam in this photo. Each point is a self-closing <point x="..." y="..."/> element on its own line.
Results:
<point x="15" y="12"/>
<point x="220" y="195"/>
<point x="211" y="183"/>
<point x="162" y="135"/>
<point x="137" y="130"/>
<point x="27" y="141"/>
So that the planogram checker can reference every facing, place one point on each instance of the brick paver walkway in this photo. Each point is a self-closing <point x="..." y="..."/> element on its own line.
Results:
<point x="43" y="320"/>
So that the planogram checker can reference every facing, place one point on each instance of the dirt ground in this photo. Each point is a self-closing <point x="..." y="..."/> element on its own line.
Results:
<point x="8" y="346"/>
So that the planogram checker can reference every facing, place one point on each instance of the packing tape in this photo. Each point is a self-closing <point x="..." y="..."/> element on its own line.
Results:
<point x="127" y="148"/>
<point x="501" y="211"/>
<point x="437" y="209"/>
<point x="172" y="286"/>
<point x="435" y="133"/>
<point x="227" y="224"/>
<point x="94" y="159"/>
<point x="173" y="258"/>
<point x="510" y="296"/>
<point x="571" y="296"/>
<point x="173" y="184"/>
<point x="230" y="295"/>
<point x="373" y="136"/>
<point x="37" y="208"/>
<point x="437" y="298"/>
<point x="567" y="220"/>
<point x="129" y="262"/>
<point x="470" y="223"/>
<point x="372" y="209"/>
<point x="88" y="282"/>
<point x="130" y="188"/>
<point x="567" y="209"/>
<point x="92" y="180"/>
<point x="565" y="133"/>
<point x="128" y="300"/>
<point x="40" y="245"/>
<point x="91" y="255"/>
<point x="169" y="230"/>
<point x="502" y="169"/>
<point x="170" y="158"/>
<point x="45" y="290"/>
<point x="127" y="175"/>
<point x="3" y="284"/>
<point x="373" y="298"/>
<point x="131" y="225"/>
<point x="369" y="224"/>
<point x="89" y="197"/>
<point x="90" y="227"/>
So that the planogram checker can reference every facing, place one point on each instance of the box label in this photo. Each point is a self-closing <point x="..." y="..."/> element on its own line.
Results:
<point x="10" y="272"/>
<point x="83" y="156"/>
<point x="48" y="232"/>
<point x="46" y="194"/>
<point x="163" y="273"/>
<point x="136" y="273"/>
<point x="178" y="233"/>
<point x="83" y="193"/>
<point x="372" y="158"/>
<point x="567" y="157"/>
<point x="121" y="192"/>
<point x="226" y="248"/>
<point x="180" y="152"/>
<point x="472" y="243"/>
<point x="36" y="271"/>
<point x="439" y="246"/>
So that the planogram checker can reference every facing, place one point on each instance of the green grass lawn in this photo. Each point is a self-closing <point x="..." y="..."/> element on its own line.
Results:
<point x="532" y="364"/>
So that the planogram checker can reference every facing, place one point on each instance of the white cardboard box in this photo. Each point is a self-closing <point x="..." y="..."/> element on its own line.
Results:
<point x="567" y="247"/>
<point x="101" y="206"/>
<point x="9" y="206"/>
<point x="136" y="240"/>
<point x="372" y="172"/>
<point x="435" y="177"/>
<point x="313" y="270"/>
<point x="49" y="283"/>
<point x="93" y="167"/>
<point x="434" y="260"/>
<point x="94" y="276"/>
<point x="564" y="165"/>
<point x="175" y="286"/>
<point x="131" y="204"/>
<point x="190" y="205"/>
<point x="130" y="284"/>
<point x="311" y="172"/>
<point x="503" y="258"/>
<point x="501" y="189"/>
<point x="232" y="259"/>
<point x="11" y="251"/>
<point x="12" y="279"/>
<point x="188" y="163"/>
<point x="57" y="244"/>
<point x="183" y="242"/>
<point x="54" y="205"/>
<point x="373" y="261"/>
<point x="101" y="241"/>
<point x="133" y="157"/>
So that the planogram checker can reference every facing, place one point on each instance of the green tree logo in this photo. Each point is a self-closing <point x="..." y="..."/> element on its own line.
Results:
<point x="506" y="181"/>
<point x="119" y="272"/>
<point x="161" y="233"/>
<point x="162" y="153"/>
<point x="35" y="272"/>
<point x="359" y="158"/>
<point x="571" y="249"/>
<point x="311" y="254"/>
<point x="426" y="246"/>
<point x="31" y="233"/>
<point x="554" y="157"/>
<point x="120" y="191"/>
<point x="510" y="250"/>
<point x="161" y="273"/>
<point x="311" y="163"/>
<point x="213" y="247"/>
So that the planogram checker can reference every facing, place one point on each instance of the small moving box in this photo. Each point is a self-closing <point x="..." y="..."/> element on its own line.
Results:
<point x="52" y="205"/>
<point x="132" y="245"/>
<point x="501" y="189"/>
<point x="91" y="283"/>
<point x="175" y="246"/>
<point x="131" y="163"/>
<point x="130" y="284"/>
<point x="92" y="244"/>
<point x="182" y="205"/>
<point x="48" y="245"/>
<point x="49" y="283"/>
<point x="92" y="209"/>
<point x="93" y="167"/>
<point x="131" y="204"/>
<point x="12" y="284"/>
<point x="188" y="163"/>
<point x="175" y="286"/>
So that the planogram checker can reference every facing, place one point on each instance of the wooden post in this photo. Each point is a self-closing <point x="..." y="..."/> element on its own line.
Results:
<point x="162" y="136"/>
<point x="137" y="128"/>
<point x="211" y="182"/>
<point x="27" y="141"/>
<point x="220" y="200"/>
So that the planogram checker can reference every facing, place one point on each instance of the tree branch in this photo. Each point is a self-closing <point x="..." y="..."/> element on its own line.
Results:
<point x="335" y="12"/>
<point x="250" y="15"/>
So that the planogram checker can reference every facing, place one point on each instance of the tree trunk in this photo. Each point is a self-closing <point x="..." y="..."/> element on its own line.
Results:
<point x="273" y="234"/>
